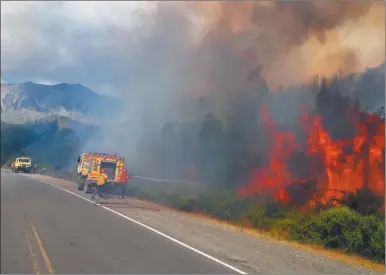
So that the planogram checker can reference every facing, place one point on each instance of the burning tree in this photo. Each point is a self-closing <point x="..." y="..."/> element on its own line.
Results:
<point x="331" y="150"/>
<point x="341" y="151"/>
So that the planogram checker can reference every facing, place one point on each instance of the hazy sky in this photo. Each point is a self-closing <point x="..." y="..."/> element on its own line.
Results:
<point x="160" y="60"/>
<point x="118" y="46"/>
<point x="50" y="42"/>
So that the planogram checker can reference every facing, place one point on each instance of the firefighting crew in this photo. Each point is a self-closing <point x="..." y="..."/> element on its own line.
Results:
<point x="100" y="184"/>
<point x="124" y="177"/>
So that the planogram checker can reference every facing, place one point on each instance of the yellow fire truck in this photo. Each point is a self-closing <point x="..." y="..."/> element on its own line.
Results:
<point x="90" y="164"/>
<point x="23" y="164"/>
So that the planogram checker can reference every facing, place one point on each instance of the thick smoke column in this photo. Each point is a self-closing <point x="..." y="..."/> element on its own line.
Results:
<point x="190" y="58"/>
<point x="293" y="41"/>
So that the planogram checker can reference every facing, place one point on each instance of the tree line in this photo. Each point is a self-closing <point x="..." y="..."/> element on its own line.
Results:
<point x="224" y="152"/>
<point x="47" y="143"/>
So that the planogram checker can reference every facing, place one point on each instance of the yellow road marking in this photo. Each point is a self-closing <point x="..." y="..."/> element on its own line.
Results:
<point x="33" y="257"/>
<point x="46" y="259"/>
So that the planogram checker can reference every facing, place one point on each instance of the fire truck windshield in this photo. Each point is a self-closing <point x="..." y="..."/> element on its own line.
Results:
<point x="110" y="168"/>
<point x="25" y="160"/>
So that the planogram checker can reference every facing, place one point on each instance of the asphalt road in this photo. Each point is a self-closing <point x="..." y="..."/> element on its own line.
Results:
<point x="45" y="230"/>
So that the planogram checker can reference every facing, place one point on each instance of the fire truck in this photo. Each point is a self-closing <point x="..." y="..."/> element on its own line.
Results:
<point x="23" y="164"/>
<point x="90" y="164"/>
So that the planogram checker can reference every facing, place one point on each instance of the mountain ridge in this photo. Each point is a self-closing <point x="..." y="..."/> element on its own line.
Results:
<point x="30" y="101"/>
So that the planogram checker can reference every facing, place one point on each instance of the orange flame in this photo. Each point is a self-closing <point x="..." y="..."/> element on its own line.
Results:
<point x="348" y="164"/>
<point x="275" y="176"/>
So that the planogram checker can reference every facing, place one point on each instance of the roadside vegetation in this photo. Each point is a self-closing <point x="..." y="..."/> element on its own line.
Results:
<point x="342" y="228"/>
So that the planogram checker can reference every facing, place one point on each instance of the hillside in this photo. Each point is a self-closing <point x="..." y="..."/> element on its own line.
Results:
<point x="30" y="101"/>
<point x="54" y="142"/>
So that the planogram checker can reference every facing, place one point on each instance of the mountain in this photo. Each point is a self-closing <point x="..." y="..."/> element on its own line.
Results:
<point x="30" y="101"/>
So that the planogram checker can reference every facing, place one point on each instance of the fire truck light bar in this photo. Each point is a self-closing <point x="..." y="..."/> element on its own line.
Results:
<point x="104" y="156"/>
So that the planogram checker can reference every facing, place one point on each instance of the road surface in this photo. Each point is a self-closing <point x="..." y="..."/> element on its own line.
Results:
<point x="45" y="230"/>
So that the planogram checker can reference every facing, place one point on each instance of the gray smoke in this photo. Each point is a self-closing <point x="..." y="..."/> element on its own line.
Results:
<point x="163" y="69"/>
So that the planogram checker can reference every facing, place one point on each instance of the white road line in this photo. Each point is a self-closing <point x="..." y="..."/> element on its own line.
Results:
<point x="148" y="227"/>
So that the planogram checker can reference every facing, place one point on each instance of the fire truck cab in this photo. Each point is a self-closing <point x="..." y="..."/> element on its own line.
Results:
<point x="90" y="164"/>
<point x="23" y="164"/>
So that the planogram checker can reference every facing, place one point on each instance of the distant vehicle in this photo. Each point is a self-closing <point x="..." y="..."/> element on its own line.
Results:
<point x="90" y="164"/>
<point x="22" y="164"/>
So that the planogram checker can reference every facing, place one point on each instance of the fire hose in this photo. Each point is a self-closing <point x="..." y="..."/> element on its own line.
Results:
<point x="168" y="180"/>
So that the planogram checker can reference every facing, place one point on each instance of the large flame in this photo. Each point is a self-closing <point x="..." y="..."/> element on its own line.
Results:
<point x="362" y="167"/>
<point x="275" y="176"/>
<point x="335" y="166"/>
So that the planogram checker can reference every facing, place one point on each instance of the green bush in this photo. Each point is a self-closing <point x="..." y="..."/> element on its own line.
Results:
<point x="343" y="229"/>
<point x="283" y="225"/>
<point x="373" y="236"/>
<point x="306" y="229"/>
<point x="187" y="203"/>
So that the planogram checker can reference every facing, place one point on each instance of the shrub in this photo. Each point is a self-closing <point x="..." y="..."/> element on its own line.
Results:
<point x="274" y="210"/>
<point x="306" y="229"/>
<point x="187" y="203"/>
<point x="256" y="215"/>
<point x="283" y="226"/>
<point x="224" y="205"/>
<point x="373" y="236"/>
<point x="344" y="229"/>
<point x="341" y="229"/>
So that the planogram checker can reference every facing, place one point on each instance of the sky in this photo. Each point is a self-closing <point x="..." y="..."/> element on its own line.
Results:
<point x="53" y="42"/>
<point x="115" y="47"/>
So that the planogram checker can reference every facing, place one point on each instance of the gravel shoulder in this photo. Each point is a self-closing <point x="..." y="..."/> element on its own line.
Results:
<point x="243" y="249"/>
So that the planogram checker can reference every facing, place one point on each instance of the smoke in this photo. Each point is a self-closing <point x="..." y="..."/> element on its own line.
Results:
<point x="180" y="55"/>
<point x="293" y="41"/>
